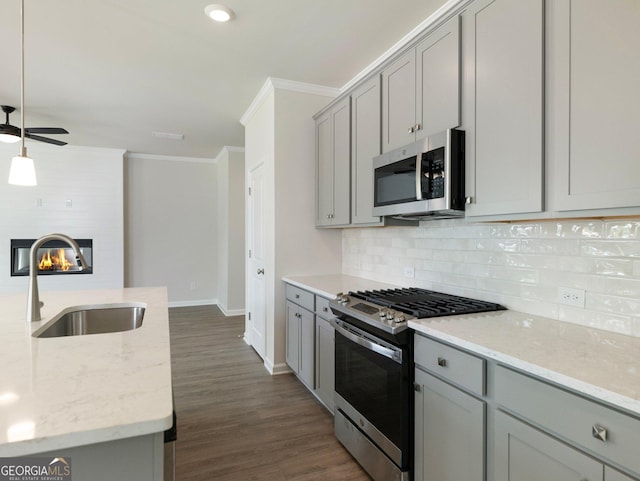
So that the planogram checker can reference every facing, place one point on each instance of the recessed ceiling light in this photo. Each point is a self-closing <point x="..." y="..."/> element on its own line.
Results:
<point x="219" y="13"/>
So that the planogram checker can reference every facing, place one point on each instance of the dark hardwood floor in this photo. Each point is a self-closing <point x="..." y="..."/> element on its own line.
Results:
<point x="238" y="423"/>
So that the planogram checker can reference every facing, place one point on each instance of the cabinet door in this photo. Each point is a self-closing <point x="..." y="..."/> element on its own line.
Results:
<point x="523" y="453"/>
<point x="438" y="81"/>
<point x="293" y="337"/>
<point x="502" y="105"/>
<point x="341" y="120"/>
<point x="611" y="474"/>
<point x="365" y="145"/>
<point x="399" y="102"/>
<point x="449" y="432"/>
<point x="324" y="170"/>
<point x="594" y="103"/>
<point x="333" y="156"/>
<point x="307" y="348"/>
<point x="325" y="362"/>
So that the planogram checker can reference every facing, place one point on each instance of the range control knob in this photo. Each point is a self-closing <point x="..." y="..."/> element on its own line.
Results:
<point x="398" y="319"/>
<point x="341" y="298"/>
<point x="390" y="315"/>
<point x="382" y="313"/>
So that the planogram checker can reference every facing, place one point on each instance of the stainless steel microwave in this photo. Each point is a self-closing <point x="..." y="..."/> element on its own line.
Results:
<point x="424" y="179"/>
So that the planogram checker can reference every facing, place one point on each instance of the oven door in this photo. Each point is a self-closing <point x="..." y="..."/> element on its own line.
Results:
<point x="372" y="385"/>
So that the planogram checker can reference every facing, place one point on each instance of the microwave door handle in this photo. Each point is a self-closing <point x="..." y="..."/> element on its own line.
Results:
<point x="419" y="177"/>
<point x="395" y="356"/>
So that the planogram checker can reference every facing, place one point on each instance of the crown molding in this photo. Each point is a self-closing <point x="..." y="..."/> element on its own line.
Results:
<point x="271" y="84"/>
<point x="228" y="148"/>
<point x="432" y="19"/>
<point x="141" y="156"/>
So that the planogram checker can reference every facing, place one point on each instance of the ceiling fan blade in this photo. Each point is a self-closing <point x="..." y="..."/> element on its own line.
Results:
<point x="45" y="139"/>
<point x="45" y="130"/>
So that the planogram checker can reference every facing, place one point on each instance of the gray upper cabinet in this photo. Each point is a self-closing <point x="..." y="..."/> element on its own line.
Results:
<point x="333" y="150"/>
<point x="594" y="105"/>
<point x="421" y="89"/>
<point x="502" y="51"/>
<point x="399" y="102"/>
<point x="365" y="145"/>
<point x="438" y="80"/>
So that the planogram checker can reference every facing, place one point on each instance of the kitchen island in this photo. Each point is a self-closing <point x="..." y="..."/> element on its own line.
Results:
<point x="105" y="400"/>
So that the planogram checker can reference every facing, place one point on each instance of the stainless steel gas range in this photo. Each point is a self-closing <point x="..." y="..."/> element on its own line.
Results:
<point x="374" y="372"/>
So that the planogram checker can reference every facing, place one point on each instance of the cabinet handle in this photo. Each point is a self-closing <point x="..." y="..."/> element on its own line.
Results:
<point x="468" y="200"/>
<point x="297" y="296"/>
<point x="442" y="362"/>
<point x="416" y="387"/>
<point x="260" y="271"/>
<point x="599" y="432"/>
<point x="324" y="309"/>
<point x="418" y="127"/>
<point x="412" y="129"/>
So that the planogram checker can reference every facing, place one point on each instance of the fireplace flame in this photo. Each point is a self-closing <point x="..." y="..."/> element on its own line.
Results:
<point x="50" y="262"/>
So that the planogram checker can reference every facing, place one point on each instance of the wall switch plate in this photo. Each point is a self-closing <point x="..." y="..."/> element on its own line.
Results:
<point x="571" y="297"/>
<point x="409" y="272"/>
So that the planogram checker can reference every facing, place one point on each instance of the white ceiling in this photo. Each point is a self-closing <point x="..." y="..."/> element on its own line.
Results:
<point x="113" y="71"/>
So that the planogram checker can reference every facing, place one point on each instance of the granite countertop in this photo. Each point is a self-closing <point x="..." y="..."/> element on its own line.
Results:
<point x="71" y="391"/>
<point x="599" y="364"/>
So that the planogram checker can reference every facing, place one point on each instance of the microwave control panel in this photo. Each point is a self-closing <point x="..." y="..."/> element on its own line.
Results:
<point x="433" y="174"/>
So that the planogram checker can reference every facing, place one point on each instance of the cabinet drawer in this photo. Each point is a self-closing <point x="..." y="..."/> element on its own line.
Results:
<point x="450" y="364"/>
<point x="301" y="297"/>
<point x="322" y="307"/>
<point x="570" y="417"/>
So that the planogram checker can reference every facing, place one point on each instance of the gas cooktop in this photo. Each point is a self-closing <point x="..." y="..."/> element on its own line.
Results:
<point x="390" y="309"/>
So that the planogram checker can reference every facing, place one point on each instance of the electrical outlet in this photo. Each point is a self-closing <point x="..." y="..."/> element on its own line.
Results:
<point x="409" y="272"/>
<point x="571" y="297"/>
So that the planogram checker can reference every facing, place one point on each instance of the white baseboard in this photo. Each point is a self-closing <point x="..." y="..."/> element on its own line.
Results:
<point x="276" y="369"/>
<point x="231" y="312"/>
<point x="195" y="302"/>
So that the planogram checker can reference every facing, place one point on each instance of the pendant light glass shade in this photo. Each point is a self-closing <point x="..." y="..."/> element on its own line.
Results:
<point x="9" y="138"/>
<point x="22" y="171"/>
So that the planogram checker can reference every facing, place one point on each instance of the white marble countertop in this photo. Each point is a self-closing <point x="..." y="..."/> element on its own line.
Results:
<point x="599" y="364"/>
<point x="76" y="390"/>
<point x="330" y="285"/>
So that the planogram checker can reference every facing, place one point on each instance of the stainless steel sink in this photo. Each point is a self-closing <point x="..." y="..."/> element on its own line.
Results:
<point x="97" y="319"/>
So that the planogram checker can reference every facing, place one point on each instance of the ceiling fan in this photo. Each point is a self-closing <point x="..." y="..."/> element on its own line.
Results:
<point x="8" y="132"/>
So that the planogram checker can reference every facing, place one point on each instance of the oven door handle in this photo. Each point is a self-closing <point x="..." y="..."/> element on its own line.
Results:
<point x="393" y="354"/>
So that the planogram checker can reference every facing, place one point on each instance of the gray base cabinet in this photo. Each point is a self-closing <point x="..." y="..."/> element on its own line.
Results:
<point x="476" y="419"/>
<point x="300" y="335"/>
<point x="449" y="432"/>
<point x="525" y="454"/>
<point x="325" y="362"/>
<point x="310" y="342"/>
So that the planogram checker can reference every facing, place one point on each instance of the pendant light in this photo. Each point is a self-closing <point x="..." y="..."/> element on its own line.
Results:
<point x="22" y="170"/>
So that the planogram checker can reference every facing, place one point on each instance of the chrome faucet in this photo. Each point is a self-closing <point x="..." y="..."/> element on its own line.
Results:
<point x="33" y="299"/>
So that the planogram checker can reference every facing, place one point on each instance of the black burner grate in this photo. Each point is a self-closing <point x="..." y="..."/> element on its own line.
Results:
<point x="423" y="303"/>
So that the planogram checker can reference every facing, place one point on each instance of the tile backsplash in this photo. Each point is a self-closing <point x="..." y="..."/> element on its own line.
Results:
<point x="520" y="265"/>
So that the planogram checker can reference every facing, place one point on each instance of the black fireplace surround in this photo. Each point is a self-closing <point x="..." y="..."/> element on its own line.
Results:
<point x="56" y="257"/>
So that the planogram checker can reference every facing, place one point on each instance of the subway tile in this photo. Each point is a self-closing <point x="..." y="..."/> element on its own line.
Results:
<point x="621" y="287"/>
<point x="628" y="306"/>
<point x="623" y="229"/>
<point x="598" y="320"/>
<point x="572" y="230"/>
<point x="498" y="245"/>
<point x="545" y="246"/>
<point x="636" y="269"/>
<point x="524" y="230"/>
<point x="614" y="267"/>
<point x="611" y="248"/>
<point x="481" y="257"/>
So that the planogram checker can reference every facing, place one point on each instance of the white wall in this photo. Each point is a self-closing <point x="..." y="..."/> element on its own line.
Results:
<point x="520" y="265"/>
<point x="280" y="132"/>
<point x="79" y="193"/>
<point x="171" y="226"/>
<point x="231" y="230"/>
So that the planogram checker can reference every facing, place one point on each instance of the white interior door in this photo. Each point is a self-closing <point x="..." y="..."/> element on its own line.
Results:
<point x="255" y="264"/>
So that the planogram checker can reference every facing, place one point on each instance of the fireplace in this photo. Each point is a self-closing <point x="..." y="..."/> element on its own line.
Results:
<point x="54" y="257"/>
